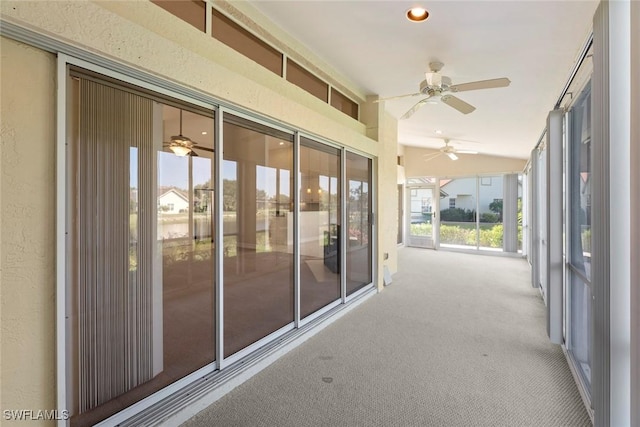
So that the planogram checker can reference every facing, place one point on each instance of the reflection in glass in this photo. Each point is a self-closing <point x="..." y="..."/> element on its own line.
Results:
<point x="579" y="235"/>
<point x="580" y="185"/>
<point x="359" y="252"/>
<point x="319" y="226"/>
<point x="144" y="316"/>
<point x="458" y="213"/>
<point x="258" y="232"/>
<point x="185" y="221"/>
<point x="580" y="315"/>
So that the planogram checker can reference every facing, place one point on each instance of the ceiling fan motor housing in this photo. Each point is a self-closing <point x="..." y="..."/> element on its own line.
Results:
<point x="434" y="82"/>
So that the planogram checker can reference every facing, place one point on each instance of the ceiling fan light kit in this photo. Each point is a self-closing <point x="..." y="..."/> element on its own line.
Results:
<point x="182" y="146"/>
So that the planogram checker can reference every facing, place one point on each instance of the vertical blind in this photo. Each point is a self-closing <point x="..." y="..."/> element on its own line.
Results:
<point x="114" y="240"/>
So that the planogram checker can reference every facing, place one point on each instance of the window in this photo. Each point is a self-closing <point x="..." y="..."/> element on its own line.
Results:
<point x="344" y="104"/>
<point x="191" y="11"/>
<point x="359" y="251"/>
<point x="236" y="37"/>
<point x="307" y="81"/>
<point x="452" y="203"/>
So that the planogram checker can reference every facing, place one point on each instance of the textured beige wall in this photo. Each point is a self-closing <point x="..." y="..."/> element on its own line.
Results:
<point x="467" y="164"/>
<point x="27" y="229"/>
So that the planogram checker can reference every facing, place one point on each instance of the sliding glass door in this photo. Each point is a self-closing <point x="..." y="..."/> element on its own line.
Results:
<point x="142" y="271"/>
<point x="156" y="298"/>
<point x="578" y="291"/>
<point x="359" y="232"/>
<point x="320" y="232"/>
<point x="258" y="232"/>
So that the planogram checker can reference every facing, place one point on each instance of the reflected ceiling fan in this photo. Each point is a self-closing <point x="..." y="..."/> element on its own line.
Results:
<point x="183" y="146"/>
<point x="450" y="151"/>
<point x="437" y="86"/>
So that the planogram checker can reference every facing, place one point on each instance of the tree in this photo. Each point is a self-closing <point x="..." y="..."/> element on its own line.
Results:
<point x="496" y="206"/>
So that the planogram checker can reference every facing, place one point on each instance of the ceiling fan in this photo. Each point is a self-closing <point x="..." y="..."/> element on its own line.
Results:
<point x="437" y="86"/>
<point x="450" y="151"/>
<point x="182" y="145"/>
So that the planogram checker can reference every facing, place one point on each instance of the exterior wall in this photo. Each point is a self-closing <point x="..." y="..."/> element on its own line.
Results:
<point x="143" y="36"/>
<point x="27" y="229"/>
<point x="466" y="165"/>
<point x="465" y="194"/>
<point x="172" y="199"/>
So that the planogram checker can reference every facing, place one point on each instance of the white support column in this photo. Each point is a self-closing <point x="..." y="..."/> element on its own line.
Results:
<point x="554" y="214"/>
<point x="510" y="213"/>
<point x="620" y="210"/>
<point x="611" y="266"/>
<point x="635" y="219"/>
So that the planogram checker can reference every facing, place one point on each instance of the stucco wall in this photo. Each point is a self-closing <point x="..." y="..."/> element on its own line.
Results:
<point x="466" y="165"/>
<point x="27" y="229"/>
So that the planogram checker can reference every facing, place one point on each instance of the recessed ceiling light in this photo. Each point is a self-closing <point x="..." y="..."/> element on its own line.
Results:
<point x="438" y="132"/>
<point x="417" y="14"/>
<point x="204" y="133"/>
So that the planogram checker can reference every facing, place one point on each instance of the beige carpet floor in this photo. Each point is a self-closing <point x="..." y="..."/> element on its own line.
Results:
<point x="455" y="340"/>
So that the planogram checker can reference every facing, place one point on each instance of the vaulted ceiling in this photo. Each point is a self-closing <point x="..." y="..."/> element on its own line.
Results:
<point x="533" y="43"/>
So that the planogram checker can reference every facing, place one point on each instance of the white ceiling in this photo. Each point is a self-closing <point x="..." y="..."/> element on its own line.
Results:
<point x="533" y="43"/>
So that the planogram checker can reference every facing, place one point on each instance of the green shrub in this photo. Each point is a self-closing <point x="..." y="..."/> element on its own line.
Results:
<point x="421" y="229"/>
<point x="457" y="215"/>
<point x="454" y="235"/>
<point x="489" y="217"/>
<point x="492" y="237"/>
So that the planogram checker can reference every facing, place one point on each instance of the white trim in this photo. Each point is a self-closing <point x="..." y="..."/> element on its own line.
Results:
<point x="241" y="354"/>
<point x="260" y="120"/>
<point x="582" y="387"/>
<point x="357" y="294"/>
<point x="157" y="397"/>
<point x="61" y="238"/>
<point x="219" y="237"/>
<point x="208" y="19"/>
<point x="295" y="193"/>
<point x="319" y="313"/>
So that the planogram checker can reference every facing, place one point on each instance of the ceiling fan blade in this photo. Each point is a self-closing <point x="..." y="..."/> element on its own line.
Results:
<point x="414" y="108"/>
<point x="193" y="153"/>
<point x="429" y="157"/>
<point x="458" y="104"/>
<point x="452" y="156"/>
<point x="398" y="97"/>
<point x="211" y="150"/>
<point x="481" y="84"/>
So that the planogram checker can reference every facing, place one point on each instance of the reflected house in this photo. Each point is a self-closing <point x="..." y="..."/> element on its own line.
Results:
<point x="173" y="201"/>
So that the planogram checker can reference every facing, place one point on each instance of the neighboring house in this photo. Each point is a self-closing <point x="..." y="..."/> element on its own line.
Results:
<point x="173" y="201"/>
<point x="461" y="193"/>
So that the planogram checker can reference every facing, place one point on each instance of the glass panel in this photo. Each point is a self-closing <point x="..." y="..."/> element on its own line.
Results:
<point x="521" y="183"/>
<point x="359" y="255"/>
<point x="421" y="203"/>
<point x="400" y="212"/>
<point x="458" y="213"/>
<point x="258" y="234"/>
<point x="579" y="206"/>
<point x="319" y="226"/>
<point x="143" y="269"/>
<point x="185" y="233"/>
<point x="490" y="207"/>
<point x="580" y="321"/>
<point x="580" y="185"/>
